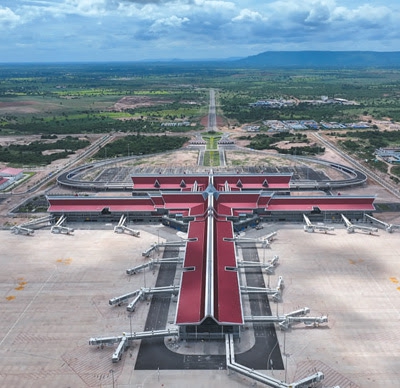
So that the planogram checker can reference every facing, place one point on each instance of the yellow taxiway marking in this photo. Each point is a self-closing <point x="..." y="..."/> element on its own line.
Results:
<point x="353" y="262"/>
<point x="21" y="285"/>
<point x="64" y="261"/>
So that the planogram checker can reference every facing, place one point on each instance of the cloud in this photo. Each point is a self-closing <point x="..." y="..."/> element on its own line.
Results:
<point x="237" y="27"/>
<point x="248" y="16"/>
<point x="168" y="23"/>
<point x="8" y="19"/>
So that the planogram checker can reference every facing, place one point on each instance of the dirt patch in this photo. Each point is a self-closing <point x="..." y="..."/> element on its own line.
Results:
<point x="132" y="102"/>
<point x="173" y="159"/>
<point x="220" y="122"/>
<point x="287" y="145"/>
<point x="16" y="103"/>
<point x="7" y="107"/>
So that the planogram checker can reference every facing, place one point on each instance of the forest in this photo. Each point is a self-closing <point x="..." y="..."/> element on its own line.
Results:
<point x="41" y="153"/>
<point x="140" y="145"/>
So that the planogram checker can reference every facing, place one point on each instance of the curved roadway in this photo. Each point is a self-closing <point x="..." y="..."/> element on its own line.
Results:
<point x="393" y="190"/>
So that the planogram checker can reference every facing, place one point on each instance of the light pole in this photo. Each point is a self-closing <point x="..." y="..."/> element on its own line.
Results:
<point x="263" y="245"/>
<point x="284" y="353"/>
<point x="112" y="374"/>
<point x="130" y="323"/>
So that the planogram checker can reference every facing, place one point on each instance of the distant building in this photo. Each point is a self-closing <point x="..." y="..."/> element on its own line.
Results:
<point x="276" y="126"/>
<point x="310" y="124"/>
<point x="8" y="176"/>
<point x="360" y="125"/>
<point x="13" y="173"/>
<point x="4" y="183"/>
<point x="294" y="124"/>
<point x="177" y="124"/>
<point x="389" y="155"/>
<point x="273" y="103"/>
<point x="251" y="128"/>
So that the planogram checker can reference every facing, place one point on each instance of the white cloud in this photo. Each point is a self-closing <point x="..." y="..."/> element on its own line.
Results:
<point x="87" y="7"/>
<point x="168" y="23"/>
<point x="8" y="19"/>
<point x="236" y="26"/>
<point x="248" y="15"/>
<point x="214" y="4"/>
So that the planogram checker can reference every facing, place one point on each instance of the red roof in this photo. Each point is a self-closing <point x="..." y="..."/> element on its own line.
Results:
<point x="9" y="171"/>
<point x="333" y="203"/>
<point x="183" y="201"/>
<point x="227" y="304"/>
<point x="228" y="201"/>
<point x="191" y="297"/>
<point x="97" y="204"/>
<point x="169" y="182"/>
<point x="252" y="182"/>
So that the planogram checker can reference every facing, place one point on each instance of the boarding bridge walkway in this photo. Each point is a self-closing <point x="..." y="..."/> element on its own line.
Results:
<point x="121" y="227"/>
<point x="262" y="378"/>
<point x="275" y="292"/>
<point x="58" y="228"/>
<point x="287" y="320"/>
<point x="125" y="339"/>
<point x="141" y="294"/>
<point x="151" y="263"/>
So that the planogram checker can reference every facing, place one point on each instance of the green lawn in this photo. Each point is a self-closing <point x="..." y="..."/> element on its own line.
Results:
<point x="211" y="158"/>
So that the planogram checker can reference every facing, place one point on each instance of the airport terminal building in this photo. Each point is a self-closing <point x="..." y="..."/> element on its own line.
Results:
<point x="211" y="208"/>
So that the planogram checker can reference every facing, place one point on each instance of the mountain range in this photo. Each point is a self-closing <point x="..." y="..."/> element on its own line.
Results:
<point x="310" y="59"/>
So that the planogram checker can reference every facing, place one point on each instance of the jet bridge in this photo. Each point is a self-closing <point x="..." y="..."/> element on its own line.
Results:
<point x="20" y="229"/>
<point x="287" y="320"/>
<point x="120" y="349"/>
<point x="390" y="228"/>
<point x="134" y="270"/>
<point x="132" y="305"/>
<point x="119" y="299"/>
<point x="59" y="228"/>
<point x="151" y="263"/>
<point x="121" y="227"/>
<point x="141" y="294"/>
<point x="306" y="382"/>
<point x="144" y="292"/>
<point x="155" y="246"/>
<point x="275" y="292"/>
<point x="125" y="339"/>
<point x="268" y="267"/>
<point x="264" y="241"/>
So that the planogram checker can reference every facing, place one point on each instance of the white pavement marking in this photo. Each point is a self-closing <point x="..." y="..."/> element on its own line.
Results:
<point x="26" y="308"/>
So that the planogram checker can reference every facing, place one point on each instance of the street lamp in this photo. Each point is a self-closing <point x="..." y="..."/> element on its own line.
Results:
<point x="264" y="244"/>
<point x="130" y="323"/>
<point x="112" y="374"/>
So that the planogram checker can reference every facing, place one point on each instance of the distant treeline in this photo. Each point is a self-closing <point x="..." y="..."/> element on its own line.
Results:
<point x="33" y="153"/>
<point x="264" y="141"/>
<point x="141" y="145"/>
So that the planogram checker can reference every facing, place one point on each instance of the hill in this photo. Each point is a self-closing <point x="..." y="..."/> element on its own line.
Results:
<point x="307" y="59"/>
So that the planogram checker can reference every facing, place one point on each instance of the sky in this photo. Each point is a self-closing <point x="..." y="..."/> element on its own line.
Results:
<point x="135" y="30"/>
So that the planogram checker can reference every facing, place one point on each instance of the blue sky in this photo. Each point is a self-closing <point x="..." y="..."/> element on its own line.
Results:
<point x="130" y="30"/>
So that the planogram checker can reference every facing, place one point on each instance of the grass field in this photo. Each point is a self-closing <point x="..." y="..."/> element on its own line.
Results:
<point x="211" y="158"/>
